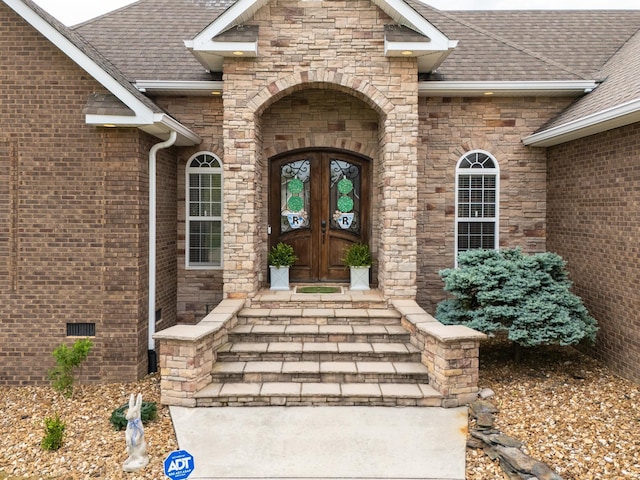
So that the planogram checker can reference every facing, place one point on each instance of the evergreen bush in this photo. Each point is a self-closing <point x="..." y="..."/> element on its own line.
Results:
<point x="282" y="255"/>
<point x="527" y="296"/>
<point x="148" y="413"/>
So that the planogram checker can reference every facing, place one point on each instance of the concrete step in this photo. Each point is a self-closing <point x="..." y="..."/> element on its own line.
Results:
<point x="347" y="315"/>
<point x="320" y="394"/>
<point x="318" y="352"/>
<point x="320" y="372"/>
<point x="319" y="333"/>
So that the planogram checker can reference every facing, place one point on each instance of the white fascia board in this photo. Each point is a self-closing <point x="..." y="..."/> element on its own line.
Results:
<point x="403" y="14"/>
<point x="459" y="88"/>
<point x="116" y="120"/>
<point x="187" y="137"/>
<point x="143" y="113"/>
<point x="615" y="117"/>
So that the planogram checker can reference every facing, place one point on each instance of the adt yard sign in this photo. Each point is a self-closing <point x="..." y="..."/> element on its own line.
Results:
<point x="178" y="465"/>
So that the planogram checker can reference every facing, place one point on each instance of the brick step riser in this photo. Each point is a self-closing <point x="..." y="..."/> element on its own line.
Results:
<point x="320" y="377"/>
<point x="314" y="338"/>
<point x="311" y="401"/>
<point x="318" y="357"/>
<point x="288" y="320"/>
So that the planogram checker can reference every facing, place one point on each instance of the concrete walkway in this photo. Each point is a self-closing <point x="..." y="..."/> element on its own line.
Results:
<point x="323" y="442"/>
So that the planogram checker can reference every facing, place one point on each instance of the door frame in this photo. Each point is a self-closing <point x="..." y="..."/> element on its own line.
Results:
<point x="319" y="263"/>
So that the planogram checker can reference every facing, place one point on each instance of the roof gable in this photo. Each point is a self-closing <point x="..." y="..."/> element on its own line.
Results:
<point x="137" y="110"/>
<point x="413" y="36"/>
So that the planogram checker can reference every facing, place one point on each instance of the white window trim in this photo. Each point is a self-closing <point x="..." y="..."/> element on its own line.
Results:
<point x="485" y="171"/>
<point x="188" y="218"/>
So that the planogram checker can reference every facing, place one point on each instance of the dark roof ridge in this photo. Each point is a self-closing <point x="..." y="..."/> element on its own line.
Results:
<point x="617" y="51"/>
<point x="511" y="44"/>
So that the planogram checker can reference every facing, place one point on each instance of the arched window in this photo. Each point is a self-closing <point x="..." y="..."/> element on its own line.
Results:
<point x="203" y="234"/>
<point x="477" y="195"/>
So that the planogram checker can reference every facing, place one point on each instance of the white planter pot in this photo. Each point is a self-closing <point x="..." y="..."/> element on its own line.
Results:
<point x="359" y="278"/>
<point x="279" y="278"/>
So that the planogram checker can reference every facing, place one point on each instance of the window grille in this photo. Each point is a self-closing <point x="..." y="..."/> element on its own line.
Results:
<point x="477" y="195"/>
<point x="204" y="196"/>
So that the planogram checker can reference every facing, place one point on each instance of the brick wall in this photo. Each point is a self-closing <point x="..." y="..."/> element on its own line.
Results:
<point x="450" y="127"/>
<point x="593" y="223"/>
<point x="73" y="213"/>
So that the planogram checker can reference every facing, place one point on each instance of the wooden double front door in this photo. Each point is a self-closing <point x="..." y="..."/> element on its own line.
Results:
<point x="319" y="203"/>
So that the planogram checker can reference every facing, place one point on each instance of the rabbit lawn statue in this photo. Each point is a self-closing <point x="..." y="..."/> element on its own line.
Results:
<point x="134" y="435"/>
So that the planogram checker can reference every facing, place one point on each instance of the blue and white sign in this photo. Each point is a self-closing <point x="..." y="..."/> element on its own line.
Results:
<point x="178" y="465"/>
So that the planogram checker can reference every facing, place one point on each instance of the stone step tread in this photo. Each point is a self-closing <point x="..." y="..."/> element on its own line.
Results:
<point x="319" y="312"/>
<point x="317" y="347"/>
<point x="310" y="367"/>
<point x="300" y="389"/>
<point x="287" y="329"/>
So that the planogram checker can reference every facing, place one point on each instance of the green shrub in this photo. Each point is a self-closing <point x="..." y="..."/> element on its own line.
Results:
<point x="66" y="360"/>
<point x="357" y="255"/>
<point x="282" y="255"/>
<point x="53" y="433"/>
<point x="527" y="296"/>
<point x="148" y="413"/>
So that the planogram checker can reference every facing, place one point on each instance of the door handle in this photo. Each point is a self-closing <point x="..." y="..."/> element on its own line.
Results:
<point x="323" y="226"/>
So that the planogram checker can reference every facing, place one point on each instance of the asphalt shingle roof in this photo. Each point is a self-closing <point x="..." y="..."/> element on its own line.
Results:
<point x="145" y="40"/>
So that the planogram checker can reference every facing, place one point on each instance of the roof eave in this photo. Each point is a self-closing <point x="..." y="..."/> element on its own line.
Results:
<point x="615" y="117"/>
<point x="571" y="88"/>
<point x="143" y="115"/>
<point x="159" y="125"/>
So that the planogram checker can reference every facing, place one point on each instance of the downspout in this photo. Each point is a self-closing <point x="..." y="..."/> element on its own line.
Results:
<point x="152" y="365"/>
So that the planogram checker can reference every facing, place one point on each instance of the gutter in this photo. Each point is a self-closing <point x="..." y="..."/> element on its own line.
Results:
<point x="608" y="119"/>
<point x="152" y="243"/>
<point x="438" y="88"/>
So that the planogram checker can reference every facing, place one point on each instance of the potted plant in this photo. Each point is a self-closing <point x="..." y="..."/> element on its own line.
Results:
<point x="358" y="258"/>
<point x="281" y="257"/>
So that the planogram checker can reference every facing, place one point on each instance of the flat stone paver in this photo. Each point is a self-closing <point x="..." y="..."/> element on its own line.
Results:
<point x="338" y="367"/>
<point x="301" y="367"/>
<point x="263" y="367"/>
<point x="249" y="347"/>
<point x="355" y="347"/>
<point x="402" y="390"/>
<point x="284" y="347"/>
<point x="321" y="389"/>
<point x="228" y="367"/>
<point x="237" y="389"/>
<point x="389" y="348"/>
<point x="375" y="367"/>
<point x="280" y="389"/>
<point x="409" y="368"/>
<point x="360" y="390"/>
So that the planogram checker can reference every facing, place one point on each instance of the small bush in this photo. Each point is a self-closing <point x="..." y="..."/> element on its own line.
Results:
<point x="357" y="255"/>
<point x="66" y="360"/>
<point x="148" y="413"/>
<point x="526" y="296"/>
<point x="53" y="433"/>
<point x="282" y="255"/>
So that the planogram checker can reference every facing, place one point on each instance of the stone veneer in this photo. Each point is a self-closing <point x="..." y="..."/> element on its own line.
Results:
<point x="187" y="353"/>
<point x="311" y="53"/>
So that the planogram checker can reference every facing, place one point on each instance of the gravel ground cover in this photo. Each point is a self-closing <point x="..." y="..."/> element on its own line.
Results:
<point x="569" y="411"/>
